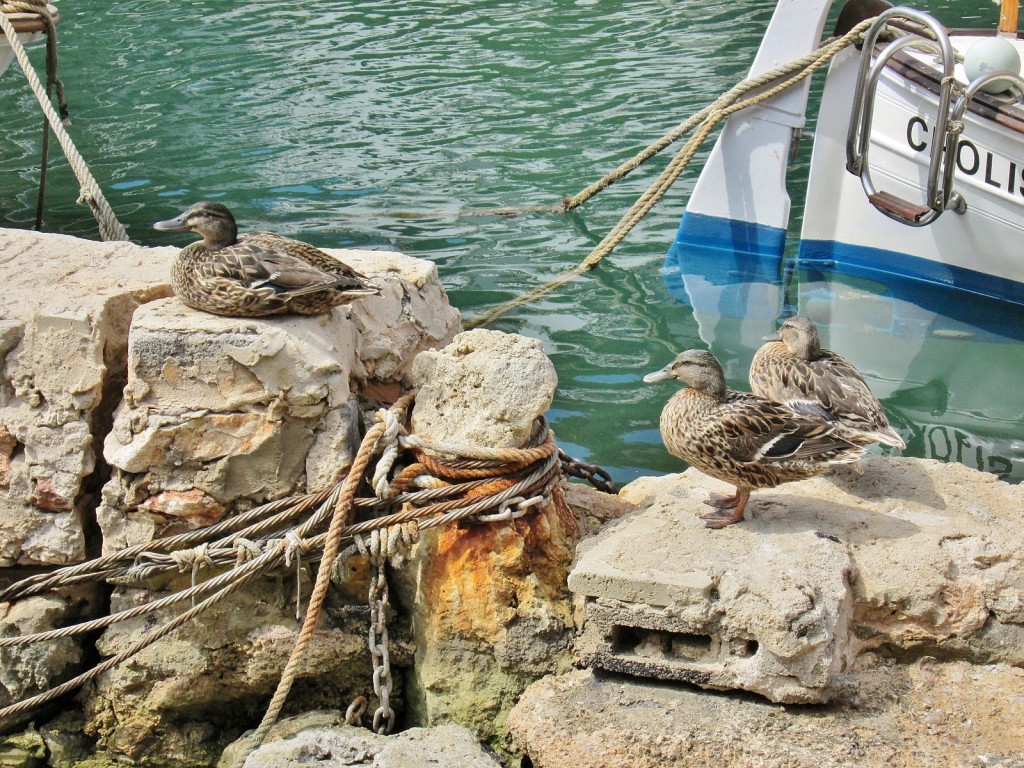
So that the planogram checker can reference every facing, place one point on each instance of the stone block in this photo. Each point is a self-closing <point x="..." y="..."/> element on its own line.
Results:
<point x="221" y="414"/>
<point x="666" y="598"/>
<point x="485" y="388"/>
<point x="27" y="670"/>
<point x="912" y="556"/>
<point x="411" y="315"/>
<point x="924" y="715"/>
<point x="182" y="699"/>
<point x="223" y="411"/>
<point x="66" y="307"/>
<point x="323" y="736"/>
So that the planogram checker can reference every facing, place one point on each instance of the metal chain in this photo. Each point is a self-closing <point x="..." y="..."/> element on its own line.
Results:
<point x="379" y="599"/>
<point x="592" y="473"/>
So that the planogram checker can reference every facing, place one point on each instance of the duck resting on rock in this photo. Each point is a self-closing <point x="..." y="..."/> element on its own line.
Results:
<point x="256" y="274"/>
<point x="792" y="368"/>
<point x="740" y="437"/>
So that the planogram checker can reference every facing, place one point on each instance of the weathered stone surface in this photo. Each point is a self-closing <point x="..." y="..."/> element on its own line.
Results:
<point x="744" y="611"/>
<point x="489" y="604"/>
<point x="755" y="610"/>
<point x="65" y="311"/>
<point x="594" y="509"/>
<point x="27" y="670"/>
<point x="224" y="413"/>
<point x="23" y="750"/>
<point x="936" y="550"/>
<point x="926" y="715"/>
<point x="912" y="556"/>
<point x="180" y="700"/>
<point x="485" y="388"/>
<point x="490" y="614"/>
<point x="323" y="738"/>
<point x="411" y="315"/>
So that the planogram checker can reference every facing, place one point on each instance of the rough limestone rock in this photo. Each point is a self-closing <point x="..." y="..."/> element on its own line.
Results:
<point x="411" y="315"/>
<point x="179" y="701"/>
<point x="485" y="388"/>
<point x="924" y="715"/>
<point x="936" y="551"/>
<point x="222" y="413"/>
<point x="912" y="556"/>
<point x="489" y="604"/>
<point x="323" y="738"/>
<point x="31" y="669"/>
<point x="222" y="410"/>
<point x="64" y="316"/>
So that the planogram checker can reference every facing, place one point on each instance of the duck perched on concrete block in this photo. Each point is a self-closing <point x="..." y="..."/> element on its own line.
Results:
<point x="256" y="274"/>
<point x="740" y="437"/>
<point x="792" y="368"/>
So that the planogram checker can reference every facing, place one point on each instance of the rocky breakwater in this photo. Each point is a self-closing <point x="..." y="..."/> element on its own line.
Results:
<point x="124" y="417"/>
<point x="486" y="600"/>
<point x="882" y="611"/>
<point x="64" y="316"/>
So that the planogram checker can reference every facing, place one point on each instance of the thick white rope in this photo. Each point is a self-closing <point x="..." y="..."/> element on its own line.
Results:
<point x="90" y="194"/>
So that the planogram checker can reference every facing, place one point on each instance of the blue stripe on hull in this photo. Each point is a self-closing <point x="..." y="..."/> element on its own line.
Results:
<point x="877" y="264"/>
<point x="715" y="233"/>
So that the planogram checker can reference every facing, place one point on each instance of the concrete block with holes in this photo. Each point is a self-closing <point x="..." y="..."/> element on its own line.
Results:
<point x="666" y="598"/>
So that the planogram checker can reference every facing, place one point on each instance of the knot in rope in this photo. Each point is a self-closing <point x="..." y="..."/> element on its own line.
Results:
<point x="388" y="443"/>
<point x="294" y="547"/>
<point x="193" y="559"/>
<point x="246" y="550"/>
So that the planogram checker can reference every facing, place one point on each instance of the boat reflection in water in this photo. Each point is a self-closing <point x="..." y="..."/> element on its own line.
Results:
<point x="946" y="364"/>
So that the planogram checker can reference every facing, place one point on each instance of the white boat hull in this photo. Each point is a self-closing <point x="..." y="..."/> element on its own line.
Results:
<point x="977" y="250"/>
<point x="740" y="205"/>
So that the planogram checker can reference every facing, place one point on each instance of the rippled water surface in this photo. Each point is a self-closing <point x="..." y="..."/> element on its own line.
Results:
<point x="392" y="125"/>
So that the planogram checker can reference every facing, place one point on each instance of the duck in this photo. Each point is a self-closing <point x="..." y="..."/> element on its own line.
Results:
<point x="793" y="368"/>
<point x="740" y="437"/>
<point x="256" y="274"/>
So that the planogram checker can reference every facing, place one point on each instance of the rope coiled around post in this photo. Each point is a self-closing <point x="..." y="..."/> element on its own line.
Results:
<point x="270" y="536"/>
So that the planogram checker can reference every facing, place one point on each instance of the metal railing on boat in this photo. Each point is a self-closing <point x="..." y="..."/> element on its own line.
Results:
<point x="948" y="125"/>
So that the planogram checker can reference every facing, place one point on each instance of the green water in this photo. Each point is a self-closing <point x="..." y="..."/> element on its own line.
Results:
<point x="376" y="125"/>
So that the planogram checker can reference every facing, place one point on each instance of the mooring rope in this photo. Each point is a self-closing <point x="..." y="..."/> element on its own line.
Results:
<point x="252" y="544"/>
<point x="90" y="193"/>
<point x="784" y="77"/>
<point x="341" y="512"/>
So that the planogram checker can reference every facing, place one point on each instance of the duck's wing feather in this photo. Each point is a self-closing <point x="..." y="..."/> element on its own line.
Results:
<point x="256" y="269"/>
<point x="761" y="431"/>
<point x="305" y="252"/>
<point x="828" y="387"/>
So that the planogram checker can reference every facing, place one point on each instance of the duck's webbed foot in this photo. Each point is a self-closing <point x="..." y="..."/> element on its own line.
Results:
<point x="721" y="501"/>
<point x="717" y="520"/>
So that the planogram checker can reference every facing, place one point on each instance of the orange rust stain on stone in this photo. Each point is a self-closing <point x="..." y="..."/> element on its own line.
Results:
<point x="481" y="576"/>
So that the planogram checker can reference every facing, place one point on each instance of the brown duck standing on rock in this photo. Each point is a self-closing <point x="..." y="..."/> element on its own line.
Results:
<point x="255" y="274"/>
<point x="793" y="369"/>
<point x="742" y="438"/>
